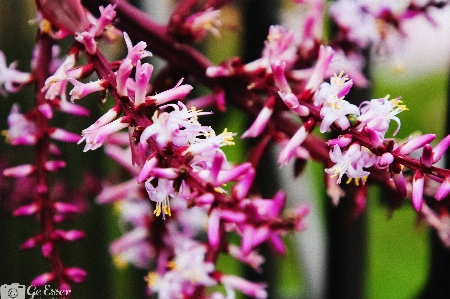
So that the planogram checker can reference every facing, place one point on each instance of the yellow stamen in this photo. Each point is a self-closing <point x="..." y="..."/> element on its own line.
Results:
<point x="363" y="179"/>
<point x="5" y="134"/>
<point x="151" y="278"/>
<point x="339" y="80"/>
<point x="157" y="210"/>
<point x="118" y="207"/>
<point x="171" y="265"/>
<point x="46" y="27"/>
<point x="162" y="207"/>
<point x="120" y="262"/>
<point x="227" y="137"/>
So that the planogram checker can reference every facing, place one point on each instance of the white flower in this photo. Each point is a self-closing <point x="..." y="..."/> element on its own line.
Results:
<point x="350" y="163"/>
<point x="336" y="110"/>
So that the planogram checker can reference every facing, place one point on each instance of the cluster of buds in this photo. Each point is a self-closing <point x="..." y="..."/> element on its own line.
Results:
<point x="33" y="129"/>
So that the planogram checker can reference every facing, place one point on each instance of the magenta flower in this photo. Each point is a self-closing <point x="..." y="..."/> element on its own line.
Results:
<point x="143" y="74"/>
<point x="133" y="247"/>
<point x="292" y="146"/>
<point x="417" y="190"/>
<point x="136" y="52"/>
<point x="80" y="90"/>
<point x="256" y="290"/>
<point x="96" y="136"/>
<point x="175" y="93"/>
<point x="179" y="126"/>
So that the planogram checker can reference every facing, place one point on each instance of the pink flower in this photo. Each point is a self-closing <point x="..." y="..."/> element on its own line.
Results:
<point x="96" y="136"/>
<point x="321" y="68"/>
<point x="56" y="84"/>
<point x="338" y="87"/>
<point x="143" y="74"/>
<point x="278" y="46"/>
<point x="87" y="38"/>
<point x="378" y="113"/>
<point x="202" y="22"/>
<point x="22" y="130"/>
<point x="256" y="290"/>
<point x="175" y="93"/>
<point x="81" y="90"/>
<point x="11" y="79"/>
<point x="417" y="190"/>
<point x="107" y="14"/>
<point x="136" y="52"/>
<point x="291" y="147"/>
<point x="160" y="193"/>
<point x="133" y="247"/>
<point x="350" y="163"/>
<point x="181" y="127"/>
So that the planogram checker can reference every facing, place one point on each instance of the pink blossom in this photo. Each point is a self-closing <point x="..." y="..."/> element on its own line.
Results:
<point x="256" y="290"/>
<point x="336" y="110"/>
<point x="160" y="194"/>
<point x="385" y="159"/>
<point x="441" y="148"/>
<point x="81" y="90"/>
<point x="96" y="136"/>
<point x="76" y="275"/>
<point x="42" y="279"/>
<point x="378" y="113"/>
<point x="322" y="66"/>
<point x="143" y="74"/>
<point x="175" y="93"/>
<point x="214" y="228"/>
<point x="350" y="163"/>
<point x="63" y="135"/>
<point x="87" y="38"/>
<point x="202" y="22"/>
<point x="19" y="171"/>
<point x="288" y="151"/>
<point x="133" y="247"/>
<point x="11" y="79"/>
<point x="136" y="52"/>
<point x="107" y="14"/>
<point x="443" y="190"/>
<point x="414" y="144"/>
<point x="338" y="87"/>
<point x="122" y="75"/>
<point x="22" y="130"/>
<point x="278" y="46"/>
<point x="56" y="84"/>
<point x="417" y="190"/>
